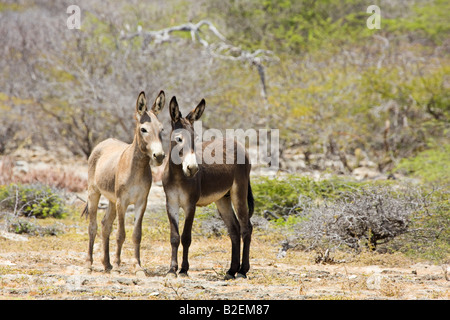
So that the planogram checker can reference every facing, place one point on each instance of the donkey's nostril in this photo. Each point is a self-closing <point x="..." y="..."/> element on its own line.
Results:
<point x="192" y="169"/>
<point x="159" y="157"/>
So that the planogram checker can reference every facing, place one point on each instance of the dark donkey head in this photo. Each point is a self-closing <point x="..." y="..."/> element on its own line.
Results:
<point x="182" y="137"/>
<point x="148" y="127"/>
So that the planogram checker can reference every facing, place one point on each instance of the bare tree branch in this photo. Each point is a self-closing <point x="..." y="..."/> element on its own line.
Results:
<point x="221" y="49"/>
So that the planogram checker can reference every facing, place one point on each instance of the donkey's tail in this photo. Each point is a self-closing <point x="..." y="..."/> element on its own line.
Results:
<point x="250" y="200"/>
<point x="85" y="211"/>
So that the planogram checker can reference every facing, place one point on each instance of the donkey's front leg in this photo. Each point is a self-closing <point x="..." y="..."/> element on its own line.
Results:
<point x="173" y="215"/>
<point x="137" y="235"/>
<point x="186" y="238"/>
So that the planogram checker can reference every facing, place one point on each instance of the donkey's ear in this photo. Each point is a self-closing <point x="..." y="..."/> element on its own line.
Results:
<point x="174" y="110"/>
<point x="159" y="102"/>
<point x="141" y="104"/>
<point x="195" y="114"/>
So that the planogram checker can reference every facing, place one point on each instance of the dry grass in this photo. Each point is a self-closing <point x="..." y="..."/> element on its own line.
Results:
<point x="389" y="260"/>
<point x="391" y="288"/>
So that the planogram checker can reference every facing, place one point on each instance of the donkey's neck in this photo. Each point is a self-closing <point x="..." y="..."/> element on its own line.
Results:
<point x="139" y="158"/>
<point x="175" y="170"/>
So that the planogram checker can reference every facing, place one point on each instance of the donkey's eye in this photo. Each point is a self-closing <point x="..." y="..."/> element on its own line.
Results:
<point x="178" y="139"/>
<point x="143" y="130"/>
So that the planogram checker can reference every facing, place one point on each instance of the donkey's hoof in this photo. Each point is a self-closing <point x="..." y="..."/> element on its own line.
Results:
<point x="171" y="274"/>
<point x="88" y="267"/>
<point x="107" y="267"/>
<point x="228" y="277"/>
<point x="241" y="276"/>
<point x="109" y="270"/>
<point x="183" y="274"/>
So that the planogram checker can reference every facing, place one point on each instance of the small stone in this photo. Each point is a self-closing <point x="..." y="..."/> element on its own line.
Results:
<point x="374" y="281"/>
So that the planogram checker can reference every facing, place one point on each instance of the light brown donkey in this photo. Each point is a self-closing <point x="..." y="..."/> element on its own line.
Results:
<point x="121" y="172"/>
<point x="188" y="184"/>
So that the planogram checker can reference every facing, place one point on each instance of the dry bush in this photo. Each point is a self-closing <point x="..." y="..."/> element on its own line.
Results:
<point x="56" y="178"/>
<point x="6" y="170"/>
<point x="363" y="218"/>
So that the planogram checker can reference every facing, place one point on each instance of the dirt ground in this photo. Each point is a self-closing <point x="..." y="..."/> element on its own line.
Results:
<point x="52" y="267"/>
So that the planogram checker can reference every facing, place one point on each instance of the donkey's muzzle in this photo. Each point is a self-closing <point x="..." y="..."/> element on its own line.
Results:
<point x="191" y="170"/>
<point x="159" y="157"/>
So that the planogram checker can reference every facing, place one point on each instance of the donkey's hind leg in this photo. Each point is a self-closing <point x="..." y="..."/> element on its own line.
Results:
<point x="186" y="238"/>
<point x="107" y="223"/>
<point x="226" y="212"/>
<point x="92" y="205"/>
<point x="239" y="199"/>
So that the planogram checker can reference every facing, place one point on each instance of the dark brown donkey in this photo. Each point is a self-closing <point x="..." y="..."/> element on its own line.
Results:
<point x="188" y="184"/>
<point x="121" y="172"/>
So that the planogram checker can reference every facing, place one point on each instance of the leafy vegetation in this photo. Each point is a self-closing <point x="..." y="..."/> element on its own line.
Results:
<point x="283" y="196"/>
<point x="35" y="200"/>
<point x="293" y="26"/>
<point x="430" y="166"/>
<point x="428" y="21"/>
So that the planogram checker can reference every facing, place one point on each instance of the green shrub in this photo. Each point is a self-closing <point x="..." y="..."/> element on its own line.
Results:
<point x="285" y="195"/>
<point x="431" y="166"/>
<point x="35" y="200"/>
<point x="428" y="19"/>
<point x="31" y="227"/>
